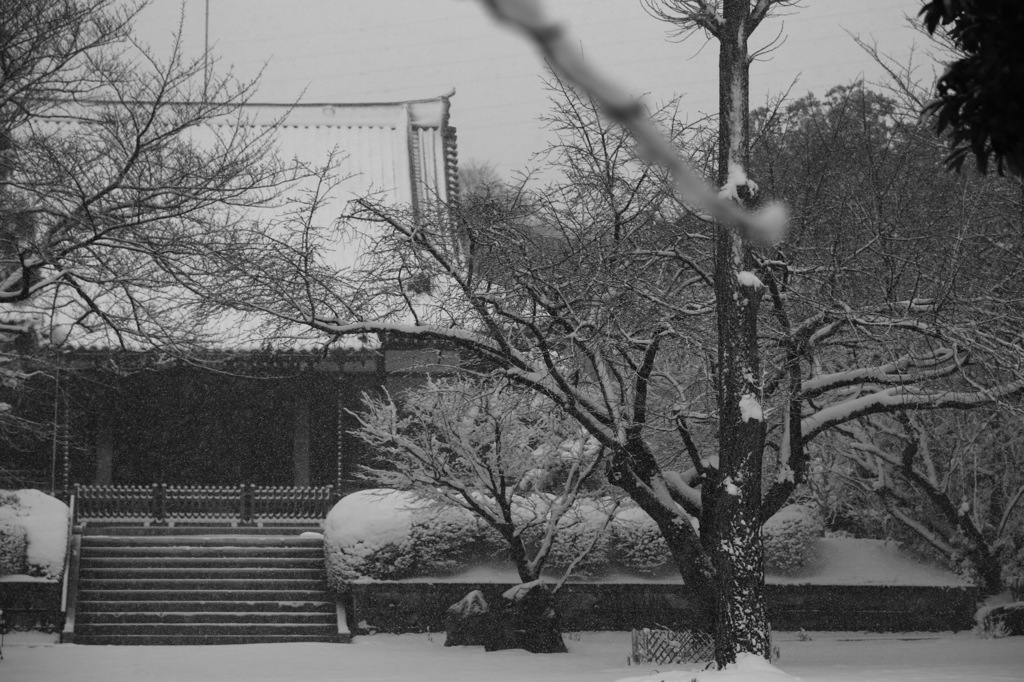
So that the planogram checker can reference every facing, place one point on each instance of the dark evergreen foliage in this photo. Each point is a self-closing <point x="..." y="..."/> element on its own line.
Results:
<point x="980" y="97"/>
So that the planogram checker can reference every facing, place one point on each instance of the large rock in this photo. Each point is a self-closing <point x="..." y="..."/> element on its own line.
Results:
<point x="468" y="622"/>
<point x="1009" y="618"/>
<point x="528" y="620"/>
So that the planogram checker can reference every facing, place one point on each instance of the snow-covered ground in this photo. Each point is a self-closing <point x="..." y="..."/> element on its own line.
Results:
<point x="595" y="657"/>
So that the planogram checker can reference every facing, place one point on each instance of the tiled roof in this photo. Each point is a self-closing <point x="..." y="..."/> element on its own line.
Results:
<point x="401" y="152"/>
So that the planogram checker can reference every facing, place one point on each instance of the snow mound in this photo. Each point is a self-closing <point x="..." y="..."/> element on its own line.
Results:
<point x="747" y="668"/>
<point x="45" y="520"/>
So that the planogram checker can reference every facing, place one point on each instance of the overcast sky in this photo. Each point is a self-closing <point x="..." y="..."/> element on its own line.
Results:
<point x="385" y="50"/>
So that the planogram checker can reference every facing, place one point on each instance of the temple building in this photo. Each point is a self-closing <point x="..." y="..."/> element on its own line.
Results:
<point x="268" y="415"/>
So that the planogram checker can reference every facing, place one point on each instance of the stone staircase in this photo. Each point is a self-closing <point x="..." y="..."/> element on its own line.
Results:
<point x="201" y="586"/>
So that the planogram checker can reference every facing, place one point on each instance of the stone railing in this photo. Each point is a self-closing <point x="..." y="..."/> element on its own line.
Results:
<point x="162" y="504"/>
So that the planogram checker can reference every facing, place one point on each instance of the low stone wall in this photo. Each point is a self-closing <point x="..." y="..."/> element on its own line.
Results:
<point x="420" y="606"/>
<point x="31" y="605"/>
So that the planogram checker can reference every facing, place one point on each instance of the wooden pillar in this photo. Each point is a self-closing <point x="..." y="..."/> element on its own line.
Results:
<point x="300" y="439"/>
<point x="104" y="451"/>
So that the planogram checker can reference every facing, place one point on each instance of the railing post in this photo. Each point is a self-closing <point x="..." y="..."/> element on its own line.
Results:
<point x="247" y="503"/>
<point x="158" y="504"/>
<point x="329" y="501"/>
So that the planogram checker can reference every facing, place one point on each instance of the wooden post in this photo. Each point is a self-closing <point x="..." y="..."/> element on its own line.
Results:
<point x="300" y="439"/>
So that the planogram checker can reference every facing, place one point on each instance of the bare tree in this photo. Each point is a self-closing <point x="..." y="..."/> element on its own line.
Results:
<point x="114" y="178"/>
<point x="119" y="172"/>
<point x="630" y="296"/>
<point x="954" y="483"/>
<point x="507" y="456"/>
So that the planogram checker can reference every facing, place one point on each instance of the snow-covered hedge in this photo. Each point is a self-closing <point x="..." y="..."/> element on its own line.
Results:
<point x="389" y="535"/>
<point x="44" y="524"/>
<point x="789" y="537"/>
<point x="638" y="542"/>
<point x="12" y="548"/>
<point x="443" y="539"/>
<point x="582" y="534"/>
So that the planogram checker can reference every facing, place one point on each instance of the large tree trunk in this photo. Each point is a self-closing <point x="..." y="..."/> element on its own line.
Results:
<point x="732" y="535"/>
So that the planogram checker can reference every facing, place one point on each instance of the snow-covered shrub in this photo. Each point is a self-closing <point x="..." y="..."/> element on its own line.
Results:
<point x="12" y="548"/>
<point x="445" y="539"/>
<point x="385" y="534"/>
<point x="638" y="543"/>
<point x="44" y="520"/>
<point x="789" y="537"/>
<point x="368" y="534"/>
<point x="582" y="536"/>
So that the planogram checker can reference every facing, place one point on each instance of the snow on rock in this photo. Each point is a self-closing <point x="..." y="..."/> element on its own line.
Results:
<point x="1005" y="620"/>
<point x="468" y="623"/>
<point x="368" y="526"/>
<point x="730" y="487"/>
<point x="45" y="520"/>
<point x="747" y="668"/>
<point x="472" y="604"/>
<point x="750" y="408"/>
<point x="311" y="534"/>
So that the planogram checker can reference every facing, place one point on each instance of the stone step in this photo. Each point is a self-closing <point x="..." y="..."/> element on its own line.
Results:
<point x="175" y="640"/>
<point x="290" y="617"/>
<point x="124" y="595"/>
<point x="320" y="603"/>
<point x="188" y="572"/>
<point x="199" y="585"/>
<point x="203" y="588"/>
<point x="203" y="552"/>
<point x="228" y="562"/>
<point x="207" y="629"/>
<point x="92" y="541"/>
